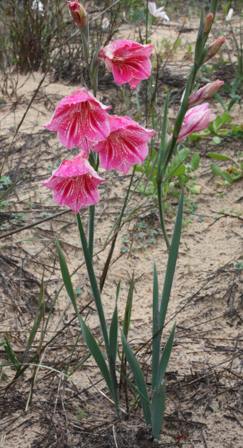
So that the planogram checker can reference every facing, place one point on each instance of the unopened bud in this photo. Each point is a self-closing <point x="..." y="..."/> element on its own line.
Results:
<point x="215" y="47"/>
<point x="208" y="22"/>
<point x="205" y="93"/>
<point x="78" y="14"/>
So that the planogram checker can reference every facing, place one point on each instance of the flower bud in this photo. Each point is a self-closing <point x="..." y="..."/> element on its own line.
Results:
<point x="196" y="119"/>
<point x="78" y="14"/>
<point x="215" y="47"/>
<point x="205" y="93"/>
<point x="208" y="22"/>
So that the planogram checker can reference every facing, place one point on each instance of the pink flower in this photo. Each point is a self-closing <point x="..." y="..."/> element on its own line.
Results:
<point x="205" y="93"/>
<point x="74" y="184"/>
<point x="128" y="61"/>
<point x="79" y="119"/>
<point x="126" y="145"/>
<point x="196" y="119"/>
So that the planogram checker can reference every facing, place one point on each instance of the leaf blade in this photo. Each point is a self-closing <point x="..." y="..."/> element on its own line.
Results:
<point x="139" y="380"/>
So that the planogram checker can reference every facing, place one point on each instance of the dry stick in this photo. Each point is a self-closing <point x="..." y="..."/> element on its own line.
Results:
<point x="105" y="10"/>
<point x="22" y="120"/>
<point x="114" y="435"/>
<point x="33" y="98"/>
<point x="114" y="239"/>
<point x="187" y="301"/>
<point x="29" y="226"/>
<point x="36" y="357"/>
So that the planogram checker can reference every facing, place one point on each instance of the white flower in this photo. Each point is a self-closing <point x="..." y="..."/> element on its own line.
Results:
<point x="229" y="15"/>
<point x="159" y="13"/>
<point x="37" y="5"/>
<point x="105" y="24"/>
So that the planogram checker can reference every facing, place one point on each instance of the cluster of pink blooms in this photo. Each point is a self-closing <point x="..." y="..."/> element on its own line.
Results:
<point x="82" y="122"/>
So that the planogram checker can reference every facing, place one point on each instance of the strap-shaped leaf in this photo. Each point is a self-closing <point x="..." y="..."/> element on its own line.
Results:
<point x="163" y="139"/>
<point x="97" y="354"/>
<point x="113" y="336"/>
<point x="88" y="337"/>
<point x="155" y="330"/>
<point x="66" y="277"/>
<point x="94" y="284"/>
<point x="166" y="356"/>
<point x="158" y="410"/>
<point x="128" y="309"/>
<point x="11" y="355"/>
<point x="171" y="264"/>
<point x="139" y="380"/>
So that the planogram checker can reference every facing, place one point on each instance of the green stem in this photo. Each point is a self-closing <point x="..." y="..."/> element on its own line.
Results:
<point x="213" y="6"/>
<point x="147" y="21"/>
<point x="146" y="82"/>
<point x="161" y="215"/>
<point x="161" y="159"/>
<point x="85" y="42"/>
<point x="94" y="162"/>
<point x="91" y="229"/>
<point x="94" y="284"/>
<point x="180" y="116"/>
<point x="199" y="57"/>
<point x="100" y="310"/>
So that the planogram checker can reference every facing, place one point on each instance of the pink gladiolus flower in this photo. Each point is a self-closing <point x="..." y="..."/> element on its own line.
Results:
<point x="80" y="119"/>
<point x="205" y="93"/>
<point x="74" y="184"/>
<point x="196" y="119"/>
<point x="126" y="145"/>
<point x="128" y="61"/>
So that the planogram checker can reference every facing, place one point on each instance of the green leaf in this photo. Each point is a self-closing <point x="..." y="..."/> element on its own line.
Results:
<point x="113" y="335"/>
<point x="163" y="136"/>
<point x="216" y="170"/>
<point x="216" y="140"/>
<point x="11" y="355"/>
<point x="176" y="162"/>
<point x="158" y="396"/>
<point x="217" y="156"/>
<point x="166" y="356"/>
<point x="88" y="337"/>
<point x="158" y="410"/>
<point x="155" y="301"/>
<point x="220" y="121"/>
<point x="179" y="171"/>
<point x="139" y="380"/>
<point x="66" y="277"/>
<point x="94" y="284"/>
<point x="195" y="161"/>
<point x="155" y="329"/>
<point x="128" y="309"/>
<point x="171" y="264"/>
<point x="97" y="354"/>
